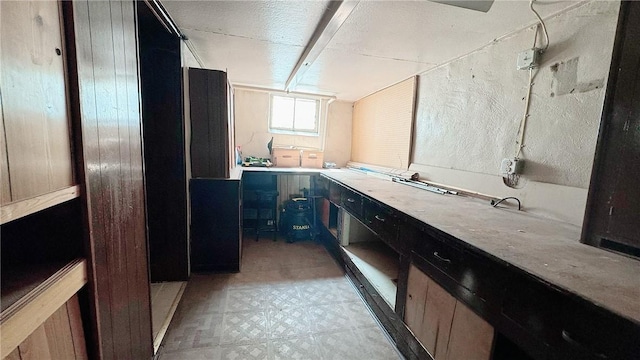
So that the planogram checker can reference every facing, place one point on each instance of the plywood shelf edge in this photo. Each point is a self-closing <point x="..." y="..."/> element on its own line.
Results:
<point x="19" y="320"/>
<point x="16" y="210"/>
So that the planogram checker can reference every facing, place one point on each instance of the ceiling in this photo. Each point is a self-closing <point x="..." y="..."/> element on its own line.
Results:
<point x="379" y="44"/>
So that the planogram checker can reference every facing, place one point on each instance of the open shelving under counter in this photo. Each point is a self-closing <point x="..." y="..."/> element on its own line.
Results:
<point x="501" y="282"/>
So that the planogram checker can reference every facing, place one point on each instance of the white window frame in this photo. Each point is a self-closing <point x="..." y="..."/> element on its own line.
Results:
<point x="293" y="131"/>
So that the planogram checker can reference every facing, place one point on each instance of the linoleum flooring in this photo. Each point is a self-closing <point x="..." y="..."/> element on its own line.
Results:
<point x="290" y="301"/>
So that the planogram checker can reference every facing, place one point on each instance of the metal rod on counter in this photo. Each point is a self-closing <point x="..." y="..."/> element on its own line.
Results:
<point x="423" y="186"/>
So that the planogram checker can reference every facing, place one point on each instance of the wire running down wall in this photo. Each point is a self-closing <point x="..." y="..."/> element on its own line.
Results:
<point x="382" y="125"/>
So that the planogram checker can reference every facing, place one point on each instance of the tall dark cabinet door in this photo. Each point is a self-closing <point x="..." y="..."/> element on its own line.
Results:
<point x="208" y="94"/>
<point x="612" y="219"/>
<point x="215" y="225"/>
<point x="164" y="148"/>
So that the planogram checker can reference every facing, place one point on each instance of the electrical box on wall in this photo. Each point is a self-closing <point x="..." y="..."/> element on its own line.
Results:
<point x="511" y="166"/>
<point x="528" y="59"/>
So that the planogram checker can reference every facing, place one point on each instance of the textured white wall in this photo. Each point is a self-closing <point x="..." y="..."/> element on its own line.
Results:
<point x="469" y="110"/>
<point x="252" y="128"/>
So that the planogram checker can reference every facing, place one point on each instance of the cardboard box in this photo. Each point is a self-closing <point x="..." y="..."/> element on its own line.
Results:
<point x="312" y="159"/>
<point x="283" y="157"/>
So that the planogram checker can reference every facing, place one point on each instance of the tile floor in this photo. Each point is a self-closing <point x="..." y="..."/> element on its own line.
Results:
<point x="291" y="301"/>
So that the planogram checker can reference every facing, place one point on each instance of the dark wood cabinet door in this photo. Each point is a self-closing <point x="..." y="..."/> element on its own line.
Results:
<point x="215" y="225"/>
<point x="612" y="218"/>
<point x="209" y="106"/>
<point x="164" y="148"/>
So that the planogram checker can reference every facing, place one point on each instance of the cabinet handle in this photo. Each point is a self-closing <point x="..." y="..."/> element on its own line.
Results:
<point x="435" y="253"/>
<point x="567" y="337"/>
<point x="381" y="219"/>
<point x="351" y="200"/>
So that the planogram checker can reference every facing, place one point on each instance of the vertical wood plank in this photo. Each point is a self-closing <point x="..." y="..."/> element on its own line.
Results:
<point x="417" y="285"/>
<point x="436" y="321"/>
<point x="141" y="297"/>
<point x="34" y="98"/>
<point x="5" y="190"/>
<point x="77" y="332"/>
<point x="110" y="115"/>
<point x="36" y="346"/>
<point x="14" y="355"/>
<point x="100" y="291"/>
<point x="471" y="337"/>
<point x="58" y="332"/>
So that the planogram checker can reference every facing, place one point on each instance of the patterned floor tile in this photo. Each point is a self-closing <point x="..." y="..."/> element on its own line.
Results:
<point x="291" y="301"/>
<point x="377" y="344"/>
<point x="341" y="345"/>
<point x="259" y="351"/>
<point x="303" y="348"/>
<point x="192" y="331"/>
<point x="245" y="299"/>
<point x="244" y="327"/>
<point x="283" y="296"/>
<point x="193" y="354"/>
<point x="288" y="322"/>
<point x="358" y="313"/>
<point x="327" y="291"/>
<point x="328" y="318"/>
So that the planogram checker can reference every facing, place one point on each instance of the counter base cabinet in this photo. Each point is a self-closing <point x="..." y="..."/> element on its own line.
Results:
<point x="216" y="227"/>
<point x="446" y="328"/>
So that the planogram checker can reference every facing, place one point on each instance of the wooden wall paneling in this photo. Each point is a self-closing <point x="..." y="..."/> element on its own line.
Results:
<point x="164" y="148"/>
<point x="5" y="189"/>
<point x="14" y="355"/>
<point x="140" y="254"/>
<point x="471" y="337"/>
<point x="110" y="123"/>
<point x="59" y="338"/>
<point x="36" y="346"/>
<point x="375" y="117"/>
<point x="34" y="98"/>
<point x="76" y="328"/>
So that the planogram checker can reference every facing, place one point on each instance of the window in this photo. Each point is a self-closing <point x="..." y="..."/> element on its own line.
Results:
<point x="294" y="115"/>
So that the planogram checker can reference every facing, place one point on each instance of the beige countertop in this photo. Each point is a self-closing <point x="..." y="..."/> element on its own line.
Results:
<point x="547" y="249"/>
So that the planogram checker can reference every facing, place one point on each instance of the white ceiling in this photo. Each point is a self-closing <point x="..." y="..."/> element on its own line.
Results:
<point x="381" y="43"/>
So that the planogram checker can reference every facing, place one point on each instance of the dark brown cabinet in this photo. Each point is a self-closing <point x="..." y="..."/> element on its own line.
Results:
<point x="216" y="225"/>
<point x="611" y="219"/>
<point x="500" y="311"/>
<point x="211" y="113"/>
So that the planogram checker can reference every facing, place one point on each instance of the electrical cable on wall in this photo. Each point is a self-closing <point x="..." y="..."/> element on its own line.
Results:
<point x="512" y="178"/>
<point x="544" y="28"/>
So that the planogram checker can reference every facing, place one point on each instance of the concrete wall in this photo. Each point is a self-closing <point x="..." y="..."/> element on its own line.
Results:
<point x="252" y="128"/>
<point x="469" y="112"/>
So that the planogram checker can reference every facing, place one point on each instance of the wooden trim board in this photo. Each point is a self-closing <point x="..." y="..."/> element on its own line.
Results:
<point x="21" y="319"/>
<point x="165" y="325"/>
<point x="22" y="208"/>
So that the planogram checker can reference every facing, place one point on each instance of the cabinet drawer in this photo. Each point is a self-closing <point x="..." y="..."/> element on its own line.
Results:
<point x="589" y="332"/>
<point x="533" y="307"/>
<point x="335" y="192"/>
<point x="352" y="202"/>
<point x="444" y="257"/>
<point x="383" y="222"/>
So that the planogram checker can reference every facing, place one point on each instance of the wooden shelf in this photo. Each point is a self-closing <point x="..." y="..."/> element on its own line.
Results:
<point x="34" y="294"/>
<point x="22" y="208"/>
<point x="379" y="264"/>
